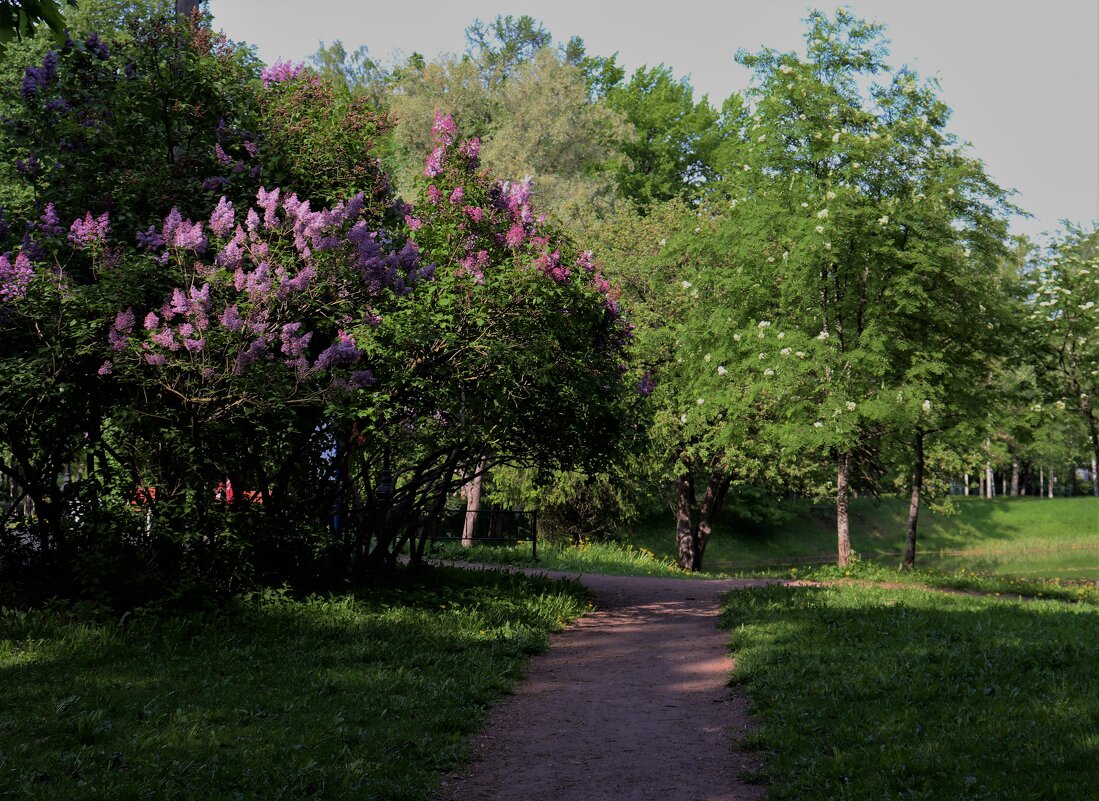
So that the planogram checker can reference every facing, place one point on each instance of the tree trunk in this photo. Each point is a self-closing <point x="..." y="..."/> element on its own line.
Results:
<point x="184" y="8"/>
<point x="990" y="481"/>
<point x="914" y="503"/>
<point x="716" y="488"/>
<point x="1093" y="435"/>
<point x="685" y="533"/>
<point x="966" y="490"/>
<point x="1041" y="479"/>
<point x="843" y="530"/>
<point x="1051" y="480"/>
<point x="1014" y="478"/>
<point x="472" y="491"/>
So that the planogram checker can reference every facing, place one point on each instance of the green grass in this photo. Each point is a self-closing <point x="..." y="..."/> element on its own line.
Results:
<point x="588" y="557"/>
<point x="867" y="693"/>
<point x="1008" y="536"/>
<point x="366" y="696"/>
<point x="1079" y="591"/>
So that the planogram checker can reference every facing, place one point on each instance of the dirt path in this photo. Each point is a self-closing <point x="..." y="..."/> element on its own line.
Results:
<point x="630" y="704"/>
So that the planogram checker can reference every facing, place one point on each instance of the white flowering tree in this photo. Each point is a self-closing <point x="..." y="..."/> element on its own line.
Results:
<point x="879" y="241"/>
<point x="1064" y="319"/>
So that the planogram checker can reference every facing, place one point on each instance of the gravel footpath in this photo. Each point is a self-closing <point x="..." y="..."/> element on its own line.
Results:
<point x="630" y="703"/>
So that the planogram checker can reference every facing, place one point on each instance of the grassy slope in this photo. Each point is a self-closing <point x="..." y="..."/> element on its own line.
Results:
<point x="876" y="694"/>
<point x="365" y="697"/>
<point x="1061" y="535"/>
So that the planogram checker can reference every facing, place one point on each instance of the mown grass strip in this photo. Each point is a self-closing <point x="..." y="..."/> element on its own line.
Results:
<point x="621" y="559"/>
<point x="870" y="693"/>
<point x="365" y="696"/>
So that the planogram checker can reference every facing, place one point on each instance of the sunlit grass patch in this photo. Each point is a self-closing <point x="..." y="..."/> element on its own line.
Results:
<point x="366" y="696"/>
<point x="871" y="693"/>
<point x="586" y="557"/>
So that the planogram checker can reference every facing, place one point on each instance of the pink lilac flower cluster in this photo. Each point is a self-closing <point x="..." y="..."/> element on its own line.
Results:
<point x="49" y="224"/>
<point x="259" y="286"/>
<point x="280" y="72"/>
<point x="15" y="276"/>
<point x="85" y="232"/>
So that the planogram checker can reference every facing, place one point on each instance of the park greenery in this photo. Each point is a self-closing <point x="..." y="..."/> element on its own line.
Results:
<point x="269" y="323"/>
<point x="267" y="330"/>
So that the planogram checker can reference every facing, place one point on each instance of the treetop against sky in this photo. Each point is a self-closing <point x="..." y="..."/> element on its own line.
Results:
<point x="1020" y="78"/>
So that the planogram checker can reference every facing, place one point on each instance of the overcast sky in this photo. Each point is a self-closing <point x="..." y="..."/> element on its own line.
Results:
<point x="1022" y="78"/>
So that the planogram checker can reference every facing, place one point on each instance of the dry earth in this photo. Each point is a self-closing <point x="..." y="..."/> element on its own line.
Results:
<point x="630" y="703"/>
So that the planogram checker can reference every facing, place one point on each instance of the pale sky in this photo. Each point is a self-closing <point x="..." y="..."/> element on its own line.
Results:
<point x="1022" y="77"/>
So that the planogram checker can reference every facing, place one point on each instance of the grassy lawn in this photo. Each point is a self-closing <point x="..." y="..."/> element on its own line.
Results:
<point x="365" y="696"/>
<point x="881" y="694"/>
<point x="1007" y="536"/>
<point x="621" y="559"/>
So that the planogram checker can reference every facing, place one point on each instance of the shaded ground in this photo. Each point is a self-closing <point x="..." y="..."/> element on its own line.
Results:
<point x="629" y="703"/>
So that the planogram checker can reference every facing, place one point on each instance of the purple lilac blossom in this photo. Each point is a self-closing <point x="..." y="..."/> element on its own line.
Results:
<point x="434" y="195"/>
<point x="150" y="239"/>
<point x="189" y="236"/>
<point x="269" y="202"/>
<point x="221" y="155"/>
<point x="223" y="219"/>
<point x="301" y="281"/>
<point x="165" y="338"/>
<point x="179" y="303"/>
<point x="258" y="282"/>
<point x="457" y="195"/>
<point x="230" y="318"/>
<point x="434" y="164"/>
<point x="96" y="47"/>
<point x="15" y="276"/>
<point x="105" y="368"/>
<point x="471" y="149"/>
<point x="152" y="322"/>
<point x="124" y="321"/>
<point x="247" y="357"/>
<point x="280" y="72"/>
<point x="646" y="385"/>
<point x="515" y="236"/>
<point x="340" y="352"/>
<point x="84" y="232"/>
<point x="32" y="248"/>
<point x="231" y="255"/>
<point x="49" y="224"/>
<point x="444" y="129"/>
<point x="36" y="79"/>
<point x="475" y="213"/>
<point x="293" y="344"/>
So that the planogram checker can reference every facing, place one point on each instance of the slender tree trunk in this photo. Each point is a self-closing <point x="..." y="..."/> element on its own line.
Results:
<point x="1041" y="479"/>
<point x="684" y="529"/>
<point x="1051" y="480"/>
<point x="1095" y="475"/>
<point x="966" y="490"/>
<point x="472" y="491"/>
<point x="1014" y="478"/>
<point x="843" y="530"/>
<point x="716" y="488"/>
<point x="990" y="481"/>
<point x="914" y="503"/>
